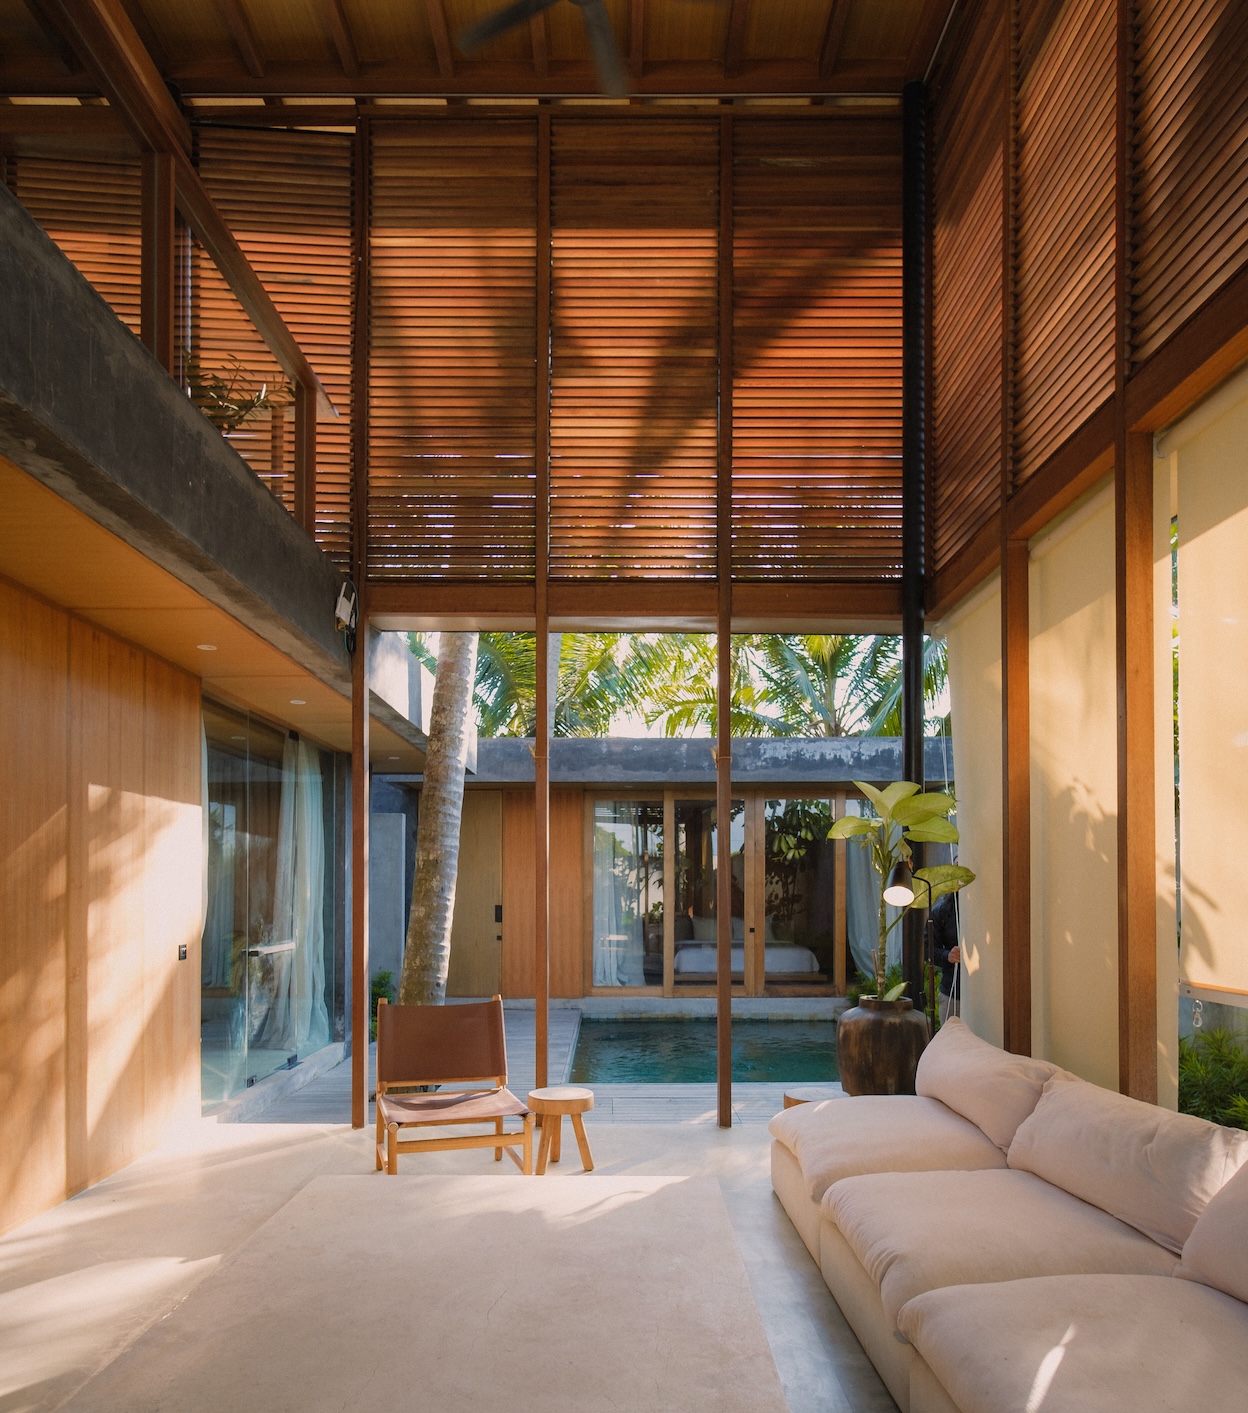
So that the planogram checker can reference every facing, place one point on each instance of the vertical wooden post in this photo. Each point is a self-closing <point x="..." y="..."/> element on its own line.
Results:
<point x="157" y="258"/>
<point x="305" y="457"/>
<point x="359" y="673"/>
<point x="542" y="726"/>
<point x="669" y="893"/>
<point x="1015" y="635"/>
<point x="723" y="650"/>
<point x="840" y="925"/>
<point x="1133" y="608"/>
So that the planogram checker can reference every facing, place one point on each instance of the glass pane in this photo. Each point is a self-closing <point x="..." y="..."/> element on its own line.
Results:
<point x="628" y="892"/>
<point x="799" y="890"/>
<point x="695" y="890"/>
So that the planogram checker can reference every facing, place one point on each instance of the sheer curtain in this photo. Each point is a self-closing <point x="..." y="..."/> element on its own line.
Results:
<point x="618" y="946"/>
<point x="298" y="1020"/>
<point x="862" y="907"/>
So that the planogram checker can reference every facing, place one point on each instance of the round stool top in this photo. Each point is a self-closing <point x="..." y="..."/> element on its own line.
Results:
<point x="561" y="1099"/>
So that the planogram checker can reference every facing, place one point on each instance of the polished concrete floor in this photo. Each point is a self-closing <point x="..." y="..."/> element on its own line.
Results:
<point x="81" y="1283"/>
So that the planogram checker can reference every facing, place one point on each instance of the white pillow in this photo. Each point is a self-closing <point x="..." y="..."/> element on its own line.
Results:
<point x="1153" y="1169"/>
<point x="1216" y="1253"/>
<point x="993" y="1088"/>
<point x="703" y="929"/>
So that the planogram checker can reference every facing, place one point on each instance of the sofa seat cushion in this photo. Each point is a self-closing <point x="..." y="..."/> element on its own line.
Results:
<point x="993" y="1088"/>
<point x="880" y="1133"/>
<point x="1145" y="1165"/>
<point x="1083" y="1344"/>
<point x="915" y="1232"/>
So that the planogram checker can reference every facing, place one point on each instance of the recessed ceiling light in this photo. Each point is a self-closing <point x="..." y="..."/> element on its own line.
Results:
<point x="297" y="701"/>
<point x="238" y="738"/>
<point x="206" y="647"/>
<point x="392" y="757"/>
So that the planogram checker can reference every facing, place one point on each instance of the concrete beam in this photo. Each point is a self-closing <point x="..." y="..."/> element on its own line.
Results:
<point x="87" y="410"/>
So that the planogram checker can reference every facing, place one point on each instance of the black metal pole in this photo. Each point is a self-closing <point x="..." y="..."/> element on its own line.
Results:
<point x="913" y="470"/>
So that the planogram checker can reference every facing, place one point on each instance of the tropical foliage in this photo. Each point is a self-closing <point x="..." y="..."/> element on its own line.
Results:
<point x="904" y="816"/>
<point x="783" y="685"/>
<point x="1213" y="1077"/>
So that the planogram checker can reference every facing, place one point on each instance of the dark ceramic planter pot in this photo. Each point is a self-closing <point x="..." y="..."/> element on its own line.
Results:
<point x="878" y="1044"/>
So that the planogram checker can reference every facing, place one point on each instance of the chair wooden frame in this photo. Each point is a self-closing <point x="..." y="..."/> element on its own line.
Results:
<point x="486" y="1105"/>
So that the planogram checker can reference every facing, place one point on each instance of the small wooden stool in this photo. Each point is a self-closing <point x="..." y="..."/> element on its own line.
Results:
<point x="550" y="1105"/>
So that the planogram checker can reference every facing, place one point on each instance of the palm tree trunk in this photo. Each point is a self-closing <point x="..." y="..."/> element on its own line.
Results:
<point x="428" y="955"/>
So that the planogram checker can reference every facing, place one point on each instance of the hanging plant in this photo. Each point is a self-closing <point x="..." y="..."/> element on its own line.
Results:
<point x="229" y="401"/>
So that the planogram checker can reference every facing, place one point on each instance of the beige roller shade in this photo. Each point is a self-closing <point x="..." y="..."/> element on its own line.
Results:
<point x="1074" y="794"/>
<point x="1208" y="453"/>
<point x="973" y="635"/>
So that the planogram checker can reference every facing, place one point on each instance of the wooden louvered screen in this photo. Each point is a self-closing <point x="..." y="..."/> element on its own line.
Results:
<point x="453" y="369"/>
<point x="967" y="141"/>
<point x="816" y="417"/>
<point x="1190" y="179"/>
<point x="634" y="387"/>
<point x="287" y="198"/>
<point x="1064" y="224"/>
<point x="225" y="362"/>
<point x="91" y="210"/>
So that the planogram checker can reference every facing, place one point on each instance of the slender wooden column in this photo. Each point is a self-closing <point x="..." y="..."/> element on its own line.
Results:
<point x="157" y="257"/>
<point x="542" y="725"/>
<point x="359" y="675"/>
<point x="1015" y="636"/>
<point x="1133" y="608"/>
<point x="305" y="457"/>
<point x="723" y="651"/>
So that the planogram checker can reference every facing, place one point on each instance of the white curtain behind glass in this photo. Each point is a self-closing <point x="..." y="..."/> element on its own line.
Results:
<point x="862" y="906"/>
<point x="298" y="1020"/>
<point x="618" y="945"/>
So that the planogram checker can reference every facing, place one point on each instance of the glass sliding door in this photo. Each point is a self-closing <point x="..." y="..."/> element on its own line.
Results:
<point x="628" y="893"/>
<point x="799" y="891"/>
<point x="694" y="929"/>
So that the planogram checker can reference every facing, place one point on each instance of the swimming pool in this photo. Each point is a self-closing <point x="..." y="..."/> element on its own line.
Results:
<point x="683" y="1052"/>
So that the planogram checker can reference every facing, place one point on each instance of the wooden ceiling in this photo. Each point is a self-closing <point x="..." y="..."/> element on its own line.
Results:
<point x="406" y="48"/>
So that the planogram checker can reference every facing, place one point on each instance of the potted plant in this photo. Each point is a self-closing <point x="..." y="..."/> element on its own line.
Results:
<point x="879" y="1040"/>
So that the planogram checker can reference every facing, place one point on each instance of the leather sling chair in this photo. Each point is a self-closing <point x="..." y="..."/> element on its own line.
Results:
<point x="459" y="1044"/>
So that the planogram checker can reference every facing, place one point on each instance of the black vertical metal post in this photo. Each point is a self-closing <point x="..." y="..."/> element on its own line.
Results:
<point x="913" y="469"/>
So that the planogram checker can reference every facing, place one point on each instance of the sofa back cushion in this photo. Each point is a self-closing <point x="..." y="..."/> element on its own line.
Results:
<point x="991" y="1087"/>
<point x="1153" y="1169"/>
<point x="1216" y="1253"/>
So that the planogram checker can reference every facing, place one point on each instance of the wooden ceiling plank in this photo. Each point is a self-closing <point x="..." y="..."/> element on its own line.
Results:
<point x="59" y="45"/>
<point x="830" y="49"/>
<point x="927" y="36"/>
<point x="734" y="45"/>
<point x="541" y="45"/>
<point x="441" y="37"/>
<point x="340" y="36"/>
<point x="637" y="39"/>
<point x="244" y="37"/>
<point x="143" y="26"/>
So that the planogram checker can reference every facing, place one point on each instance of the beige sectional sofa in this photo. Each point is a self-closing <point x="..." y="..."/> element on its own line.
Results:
<point x="1014" y="1238"/>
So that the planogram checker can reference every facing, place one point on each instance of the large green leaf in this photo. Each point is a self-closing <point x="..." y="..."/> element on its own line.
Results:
<point x="875" y="796"/>
<point x="933" y="831"/>
<point x="943" y="878"/>
<point x="894" y="993"/>
<point x="920" y="807"/>
<point x="850" y="825"/>
<point x="899" y="790"/>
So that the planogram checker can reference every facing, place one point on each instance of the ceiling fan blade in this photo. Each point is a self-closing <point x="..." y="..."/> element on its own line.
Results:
<point x="612" y="79"/>
<point x="499" y="22"/>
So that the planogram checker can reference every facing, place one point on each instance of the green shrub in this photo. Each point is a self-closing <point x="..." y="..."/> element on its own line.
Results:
<point x="383" y="986"/>
<point x="1213" y="1077"/>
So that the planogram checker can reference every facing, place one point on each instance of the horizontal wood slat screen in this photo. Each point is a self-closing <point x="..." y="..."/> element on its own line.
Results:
<point x="287" y="199"/>
<point x="1190" y="179"/>
<point x="634" y="388"/>
<point x="226" y="363"/>
<point x="816" y="389"/>
<point x="967" y="139"/>
<point x="1064" y="225"/>
<point x="91" y="210"/>
<point x="452" y="386"/>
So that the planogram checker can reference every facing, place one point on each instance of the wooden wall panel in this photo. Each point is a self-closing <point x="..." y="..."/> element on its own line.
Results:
<point x="476" y="954"/>
<point x="567" y="845"/>
<point x="1063" y="334"/>
<point x="967" y="194"/>
<point x="33" y="842"/>
<point x="101" y="840"/>
<point x="634" y="389"/>
<point x="1189" y="196"/>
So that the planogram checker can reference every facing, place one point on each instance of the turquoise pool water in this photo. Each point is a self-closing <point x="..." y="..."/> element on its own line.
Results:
<point x="683" y="1052"/>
